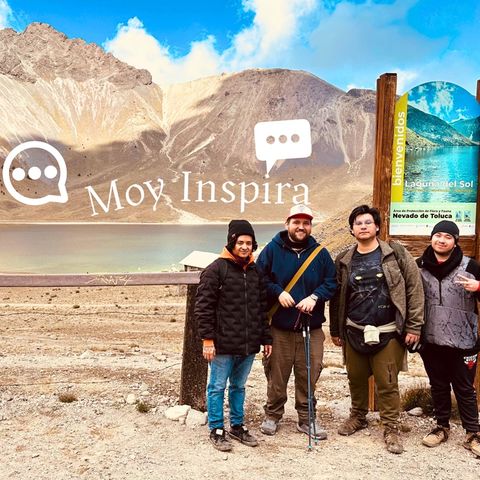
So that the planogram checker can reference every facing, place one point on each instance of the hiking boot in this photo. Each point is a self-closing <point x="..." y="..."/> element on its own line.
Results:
<point x="472" y="442"/>
<point x="316" y="431"/>
<point x="269" y="426"/>
<point x="392" y="439"/>
<point x="437" y="436"/>
<point x="219" y="441"/>
<point x="351" y="425"/>
<point x="241" y="433"/>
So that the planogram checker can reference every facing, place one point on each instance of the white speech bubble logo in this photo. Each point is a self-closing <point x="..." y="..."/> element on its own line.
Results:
<point x="35" y="173"/>
<point x="282" y="140"/>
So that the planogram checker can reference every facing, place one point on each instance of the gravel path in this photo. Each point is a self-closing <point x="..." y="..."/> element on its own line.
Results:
<point x="110" y="347"/>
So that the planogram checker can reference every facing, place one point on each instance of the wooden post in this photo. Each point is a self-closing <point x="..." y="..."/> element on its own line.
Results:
<point x="382" y="175"/>
<point x="193" y="381"/>
<point x="477" y="251"/>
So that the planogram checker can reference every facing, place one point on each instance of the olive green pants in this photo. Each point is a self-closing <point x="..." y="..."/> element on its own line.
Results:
<point x="384" y="366"/>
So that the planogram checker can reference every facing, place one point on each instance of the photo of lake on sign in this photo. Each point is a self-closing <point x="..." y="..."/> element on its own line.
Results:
<point x="436" y="153"/>
<point x="445" y="174"/>
<point x="442" y="146"/>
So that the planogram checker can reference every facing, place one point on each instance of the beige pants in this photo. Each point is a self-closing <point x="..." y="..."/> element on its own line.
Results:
<point x="289" y="352"/>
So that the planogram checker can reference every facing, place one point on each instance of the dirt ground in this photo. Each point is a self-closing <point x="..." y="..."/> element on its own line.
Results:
<point x="102" y="344"/>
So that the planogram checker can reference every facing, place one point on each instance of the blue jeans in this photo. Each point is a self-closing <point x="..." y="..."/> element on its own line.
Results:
<point x="235" y="369"/>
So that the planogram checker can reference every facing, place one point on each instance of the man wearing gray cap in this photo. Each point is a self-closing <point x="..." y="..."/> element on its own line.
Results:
<point x="300" y="277"/>
<point x="450" y="335"/>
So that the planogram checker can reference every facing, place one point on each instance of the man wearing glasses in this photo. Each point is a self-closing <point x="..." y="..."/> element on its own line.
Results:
<point x="376" y="312"/>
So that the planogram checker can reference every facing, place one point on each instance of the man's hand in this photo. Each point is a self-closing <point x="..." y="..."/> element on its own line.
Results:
<point x="411" y="339"/>
<point x="469" y="284"/>
<point x="306" y="305"/>
<point x="286" y="300"/>
<point x="209" y="352"/>
<point x="267" y="350"/>
<point x="337" y="341"/>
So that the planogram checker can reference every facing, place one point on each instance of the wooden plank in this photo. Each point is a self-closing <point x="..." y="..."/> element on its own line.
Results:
<point x="477" y="256"/>
<point x="477" y="222"/>
<point x="100" y="280"/>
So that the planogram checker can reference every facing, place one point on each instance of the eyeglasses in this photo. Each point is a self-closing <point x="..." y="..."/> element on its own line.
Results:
<point x="366" y="222"/>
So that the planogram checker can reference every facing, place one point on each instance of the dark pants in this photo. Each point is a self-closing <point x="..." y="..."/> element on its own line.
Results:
<point x="447" y="366"/>
<point x="384" y="366"/>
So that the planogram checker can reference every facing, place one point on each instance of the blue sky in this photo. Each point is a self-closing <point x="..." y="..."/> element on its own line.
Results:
<point x="347" y="43"/>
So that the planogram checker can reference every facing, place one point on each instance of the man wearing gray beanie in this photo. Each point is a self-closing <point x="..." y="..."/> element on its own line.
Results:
<point x="450" y="336"/>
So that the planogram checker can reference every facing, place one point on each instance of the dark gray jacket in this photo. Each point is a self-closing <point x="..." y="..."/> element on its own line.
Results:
<point x="450" y="310"/>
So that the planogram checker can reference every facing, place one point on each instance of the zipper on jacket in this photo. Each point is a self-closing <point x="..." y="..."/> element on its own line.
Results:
<point x="440" y="291"/>
<point x="246" y="311"/>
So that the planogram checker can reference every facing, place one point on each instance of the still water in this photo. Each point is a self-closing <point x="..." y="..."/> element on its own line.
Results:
<point x="428" y="173"/>
<point x="110" y="248"/>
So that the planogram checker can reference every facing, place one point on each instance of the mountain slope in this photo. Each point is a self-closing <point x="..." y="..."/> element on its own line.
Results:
<point x="112" y="124"/>
<point x="435" y="129"/>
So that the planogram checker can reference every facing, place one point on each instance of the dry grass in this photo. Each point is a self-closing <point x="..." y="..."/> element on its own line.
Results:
<point x="143" y="407"/>
<point x="67" y="397"/>
<point x="420" y="396"/>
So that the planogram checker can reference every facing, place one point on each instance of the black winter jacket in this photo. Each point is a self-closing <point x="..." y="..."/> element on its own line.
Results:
<point x="230" y="308"/>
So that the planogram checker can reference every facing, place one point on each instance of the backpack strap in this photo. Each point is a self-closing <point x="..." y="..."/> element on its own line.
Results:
<point x="395" y="246"/>
<point x="223" y="265"/>
<point x="295" y="279"/>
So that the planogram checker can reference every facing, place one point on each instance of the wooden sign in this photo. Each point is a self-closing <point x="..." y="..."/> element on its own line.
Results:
<point x="382" y="182"/>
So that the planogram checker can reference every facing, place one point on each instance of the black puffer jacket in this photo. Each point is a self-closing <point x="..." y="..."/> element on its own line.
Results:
<point x="230" y="308"/>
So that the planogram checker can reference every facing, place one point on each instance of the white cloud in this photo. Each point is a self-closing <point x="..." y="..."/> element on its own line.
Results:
<point x="342" y="42"/>
<point x="421" y="103"/>
<point x="460" y="114"/>
<point x="368" y="34"/>
<point x="275" y="26"/>
<point x="357" y="42"/>
<point x="453" y="66"/>
<point x="134" y="45"/>
<point x="443" y="99"/>
<point x="406" y="79"/>
<point x="5" y="14"/>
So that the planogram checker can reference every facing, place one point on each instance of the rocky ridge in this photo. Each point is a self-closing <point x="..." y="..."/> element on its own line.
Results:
<point x="111" y="123"/>
<point x="43" y="52"/>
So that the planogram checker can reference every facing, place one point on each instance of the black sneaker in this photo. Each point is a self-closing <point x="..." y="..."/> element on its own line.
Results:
<point x="219" y="440"/>
<point x="241" y="433"/>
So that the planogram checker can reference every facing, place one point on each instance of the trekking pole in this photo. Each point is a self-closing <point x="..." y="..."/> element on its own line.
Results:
<point x="310" y="389"/>
<point x="306" y="341"/>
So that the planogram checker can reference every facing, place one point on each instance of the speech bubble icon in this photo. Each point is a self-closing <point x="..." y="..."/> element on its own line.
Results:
<point x="35" y="173"/>
<point x="282" y="140"/>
